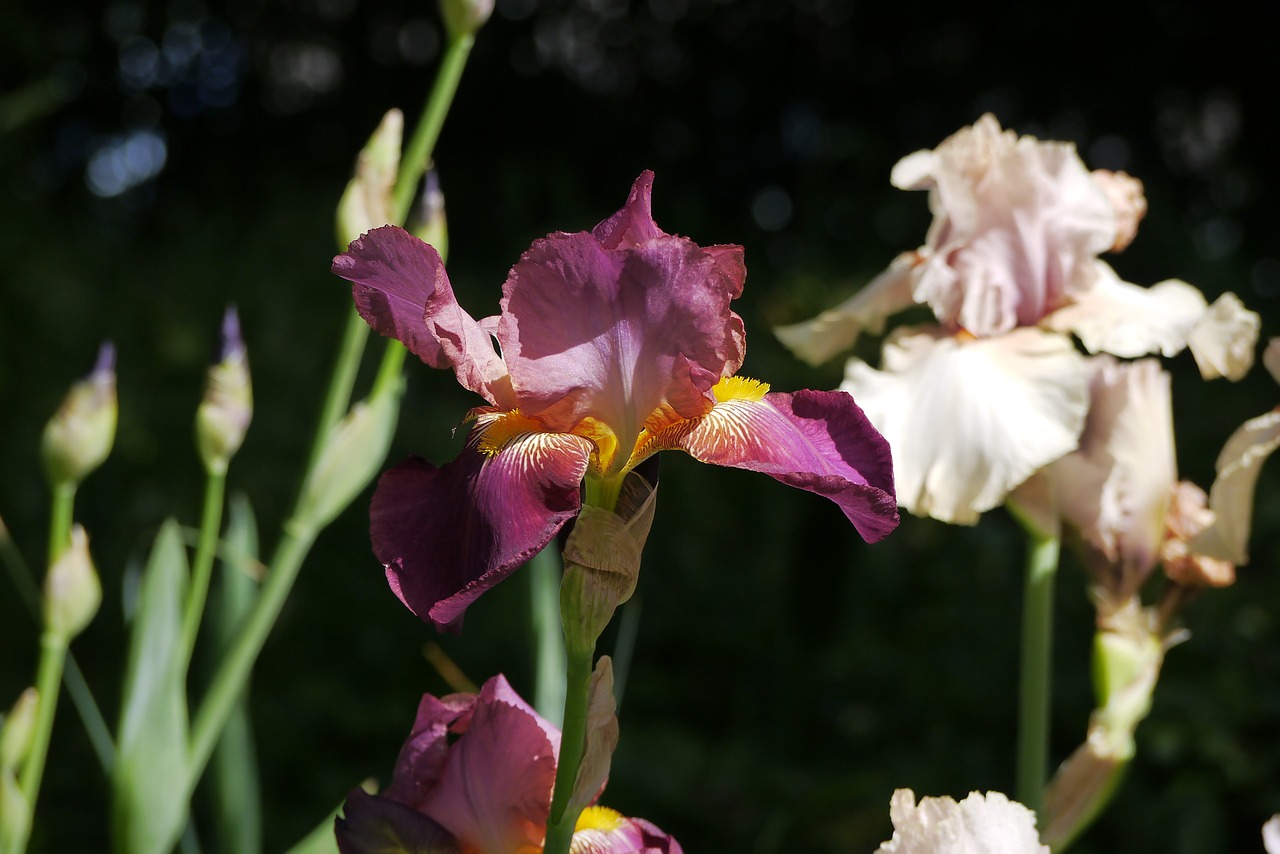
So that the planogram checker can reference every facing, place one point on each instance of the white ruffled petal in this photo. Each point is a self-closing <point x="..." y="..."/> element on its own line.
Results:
<point x="1224" y="338"/>
<point x="990" y="824"/>
<point x="1231" y="498"/>
<point x="970" y="419"/>
<point x="837" y="329"/>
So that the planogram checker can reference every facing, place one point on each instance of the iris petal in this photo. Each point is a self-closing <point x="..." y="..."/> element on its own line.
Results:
<point x="818" y="441"/>
<point x="445" y="535"/>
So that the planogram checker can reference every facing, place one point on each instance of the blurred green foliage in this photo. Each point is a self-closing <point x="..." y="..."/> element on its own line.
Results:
<point x="787" y="676"/>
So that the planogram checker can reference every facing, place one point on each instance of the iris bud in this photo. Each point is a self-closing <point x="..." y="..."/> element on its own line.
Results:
<point x="72" y="591"/>
<point x="368" y="200"/>
<point x="79" y="436"/>
<point x="15" y="734"/>
<point x="227" y="408"/>
<point x="465" y="17"/>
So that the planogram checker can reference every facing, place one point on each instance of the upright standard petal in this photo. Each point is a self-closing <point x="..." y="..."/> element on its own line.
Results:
<point x="971" y="418"/>
<point x="445" y="535"/>
<point x="818" y="441"/>
<point x="611" y="336"/>
<point x="401" y="290"/>
<point x="989" y="823"/>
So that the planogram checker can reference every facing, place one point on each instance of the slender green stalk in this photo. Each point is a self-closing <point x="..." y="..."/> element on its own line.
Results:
<point x="573" y="743"/>
<point x="548" y="641"/>
<point x="417" y="155"/>
<point x="338" y="397"/>
<point x="53" y="651"/>
<point x="19" y="572"/>
<point x="202" y="569"/>
<point x="64" y="500"/>
<point x="1037" y="656"/>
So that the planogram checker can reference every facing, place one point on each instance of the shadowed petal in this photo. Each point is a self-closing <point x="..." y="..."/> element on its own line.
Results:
<point x="969" y="419"/>
<point x="1231" y="497"/>
<point x="401" y="289"/>
<point x="373" y="825"/>
<point x="614" y="334"/>
<point x="448" y="534"/>
<point x="819" y="441"/>
<point x="495" y="791"/>
<point x="423" y="754"/>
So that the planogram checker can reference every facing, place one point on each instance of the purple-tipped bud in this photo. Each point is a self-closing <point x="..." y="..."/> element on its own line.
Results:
<point x="72" y="591"/>
<point x="465" y="17"/>
<point x="227" y="408"/>
<point x="80" y="435"/>
<point x="430" y="225"/>
<point x="369" y="198"/>
<point x="16" y="731"/>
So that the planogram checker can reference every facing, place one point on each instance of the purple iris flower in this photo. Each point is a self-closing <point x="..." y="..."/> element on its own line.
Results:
<point x="613" y="344"/>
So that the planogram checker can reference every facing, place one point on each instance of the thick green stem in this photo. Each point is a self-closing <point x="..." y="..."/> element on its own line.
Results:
<point x="1037" y="655"/>
<point x="573" y="743"/>
<point x="53" y="651"/>
<point x="417" y="155"/>
<point x="202" y="569"/>
<point x="64" y="500"/>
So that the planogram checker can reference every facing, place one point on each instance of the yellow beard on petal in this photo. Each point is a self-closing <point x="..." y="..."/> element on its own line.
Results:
<point x="500" y="428"/>
<point x="739" y="388"/>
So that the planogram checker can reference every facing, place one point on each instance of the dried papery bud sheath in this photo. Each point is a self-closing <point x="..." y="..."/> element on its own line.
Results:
<point x="72" y="591"/>
<point x="79" y="436"/>
<point x="15" y="734"/>
<point x="429" y="223"/>
<point x="227" y="407"/>
<point x="465" y="17"/>
<point x="368" y="200"/>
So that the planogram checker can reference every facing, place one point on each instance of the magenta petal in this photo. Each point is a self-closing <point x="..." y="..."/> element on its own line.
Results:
<point x="495" y="792"/>
<point x="445" y="535"/>
<point x="422" y="757"/>
<point x="615" y="329"/>
<point x="819" y="441"/>
<point x="373" y="825"/>
<point x="401" y="290"/>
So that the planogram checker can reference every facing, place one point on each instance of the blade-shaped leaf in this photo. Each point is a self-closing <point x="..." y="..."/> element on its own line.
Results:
<point x="149" y="781"/>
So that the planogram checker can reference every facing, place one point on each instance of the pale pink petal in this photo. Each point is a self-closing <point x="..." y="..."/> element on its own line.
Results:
<point x="837" y="329"/>
<point x="1127" y="199"/>
<point x="1017" y="225"/>
<point x="991" y="824"/>
<point x="1271" y="835"/>
<point x="445" y="535"/>
<point x="614" y="334"/>
<point x="970" y="419"/>
<point x="1224" y="338"/>
<point x="1231" y="497"/>
<point x="1115" y="489"/>
<point x="818" y="441"/>
<point x="1125" y="320"/>
<point x="402" y="291"/>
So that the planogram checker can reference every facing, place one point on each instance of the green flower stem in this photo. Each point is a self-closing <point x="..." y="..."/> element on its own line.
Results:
<point x="53" y="651"/>
<point x="1037" y="655"/>
<point x="64" y="500"/>
<point x="548" y="641"/>
<point x="202" y="569"/>
<point x="417" y="155"/>
<point x="338" y="397"/>
<point x="573" y="743"/>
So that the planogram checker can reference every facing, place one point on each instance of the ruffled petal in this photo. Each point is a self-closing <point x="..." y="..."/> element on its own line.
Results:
<point x="837" y="329"/>
<point x="1129" y="321"/>
<point x="494" y="794"/>
<point x="1017" y="225"/>
<point x="601" y="830"/>
<point x="373" y="825"/>
<point x="1224" y="338"/>
<point x="818" y="441"/>
<point x="402" y="291"/>
<point x="1231" y="497"/>
<point x="990" y="823"/>
<point x="1116" y="488"/>
<point x="422" y="756"/>
<point x="969" y="419"/>
<point x="614" y="334"/>
<point x="445" y="535"/>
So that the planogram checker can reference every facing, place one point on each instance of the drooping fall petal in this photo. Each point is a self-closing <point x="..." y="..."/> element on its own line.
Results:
<point x="373" y="825"/>
<point x="445" y="535"/>
<point x="818" y="441"/>
<point x="970" y="419"/>
<point x="401" y="290"/>
<point x="1231" y="497"/>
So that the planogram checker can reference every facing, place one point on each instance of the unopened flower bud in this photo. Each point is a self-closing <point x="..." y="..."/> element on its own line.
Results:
<point x="227" y="408"/>
<point x="465" y="17"/>
<point x="15" y="734"/>
<point x="369" y="198"/>
<point x="80" y="435"/>
<point x="429" y="223"/>
<point x="72" y="591"/>
<point x="351" y="457"/>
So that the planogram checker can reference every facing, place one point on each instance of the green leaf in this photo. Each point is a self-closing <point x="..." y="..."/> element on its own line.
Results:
<point x="150" y="782"/>
<point x="237" y="804"/>
<point x="321" y="840"/>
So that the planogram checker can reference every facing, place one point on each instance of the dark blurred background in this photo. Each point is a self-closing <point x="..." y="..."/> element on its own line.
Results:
<point x="160" y="160"/>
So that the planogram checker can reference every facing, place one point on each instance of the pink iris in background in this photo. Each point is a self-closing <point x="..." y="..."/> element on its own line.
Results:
<point x="475" y="777"/>
<point x="612" y="345"/>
